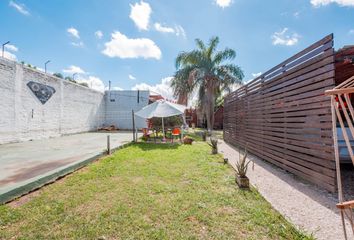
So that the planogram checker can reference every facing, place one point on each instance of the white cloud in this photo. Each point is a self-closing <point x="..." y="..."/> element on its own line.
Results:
<point x="343" y="3"/>
<point x="351" y="32"/>
<point x="236" y="86"/>
<point x="10" y="55"/>
<point x="140" y="14"/>
<point x="73" y="32"/>
<point x="11" y="47"/>
<point x="162" y="88"/>
<point x="114" y="88"/>
<point x="296" y="14"/>
<point x="21" y="8"/>
<point x="282" y="38"/>
<point x="99" y="34"/>
<point x="43" y="70"/>
<point x="117" y="88"/>
<point x="123" y="47"/>
<point x="256" y="74"/>
<point x="74" y="69"/>
<point x="92" y="82"/>
<point x="83" y="77"/>
<point x="131" y="77"/>
<point x="178" y="30"/>
<point x="163" y="29"/>
<point x="78" y="44"/>
<point x="223" y="3"/>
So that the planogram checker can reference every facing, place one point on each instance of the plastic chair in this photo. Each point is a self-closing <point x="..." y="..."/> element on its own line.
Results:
<point x="146" y="132"/>
<point x="176" y="132"/>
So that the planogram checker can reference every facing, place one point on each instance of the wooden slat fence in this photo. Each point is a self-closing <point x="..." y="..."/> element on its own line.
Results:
<point x="284" y="117"/>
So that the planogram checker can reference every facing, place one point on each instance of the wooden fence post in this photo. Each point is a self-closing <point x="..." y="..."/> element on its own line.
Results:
<point x="133" y="119"/>
<point x="109" y="145"/>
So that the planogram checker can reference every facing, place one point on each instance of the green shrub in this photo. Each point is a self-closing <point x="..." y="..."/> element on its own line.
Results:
<point x="169" y="122"/>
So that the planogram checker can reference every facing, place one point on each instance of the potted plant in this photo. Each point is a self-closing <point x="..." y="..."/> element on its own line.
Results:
<point x="204" y="135"/>
<point x="214" y="145"/>
<point x="241" y="171"/>
<point x="187" y="140"/>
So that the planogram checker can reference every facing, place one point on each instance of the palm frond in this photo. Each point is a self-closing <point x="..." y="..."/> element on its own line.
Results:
<point x="200" y="44"/>
<point x="194" y="57"/>
<point x="231" y="73"/>
<point x="179" y="59"/>
<point x="227" y="54"/>
<point x="183" y="82"/>
<point x="213" y="43"/>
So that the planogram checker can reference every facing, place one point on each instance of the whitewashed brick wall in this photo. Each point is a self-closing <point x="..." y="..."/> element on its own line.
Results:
<point x="119" y="106"/>
<point x="71" y="109"/>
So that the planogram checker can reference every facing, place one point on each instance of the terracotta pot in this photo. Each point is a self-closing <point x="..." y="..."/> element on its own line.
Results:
<point x="242" y="182"/>
<point x="187" y="140"/>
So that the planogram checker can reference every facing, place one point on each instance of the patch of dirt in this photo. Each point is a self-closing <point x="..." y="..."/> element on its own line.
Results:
<point x="192" y="219"/>
<point x="225" y="210"/>
<point x="24" y="199"/>
<point x="137" y="179"/>
<point x="202" y="228"/>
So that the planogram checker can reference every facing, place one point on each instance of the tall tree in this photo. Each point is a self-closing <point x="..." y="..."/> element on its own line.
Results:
<point x="204" y="70"/>
<point x="58" y="75"/>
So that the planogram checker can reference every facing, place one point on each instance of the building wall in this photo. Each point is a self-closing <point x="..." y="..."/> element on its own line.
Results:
<point x="344" y="63"/>
<point x="119" y="106"/>
<point x="71" y="109"/>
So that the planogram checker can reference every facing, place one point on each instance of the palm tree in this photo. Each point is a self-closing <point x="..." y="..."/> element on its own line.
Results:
<point x="181" y="88"/>
<point x="203" y="70"/>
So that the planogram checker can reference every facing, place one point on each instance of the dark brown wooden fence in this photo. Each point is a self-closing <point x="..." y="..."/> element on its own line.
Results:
<point x="284" y="117"/>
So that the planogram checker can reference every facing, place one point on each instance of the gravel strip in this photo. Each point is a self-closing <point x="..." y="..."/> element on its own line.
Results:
<point x="311" y="209"/>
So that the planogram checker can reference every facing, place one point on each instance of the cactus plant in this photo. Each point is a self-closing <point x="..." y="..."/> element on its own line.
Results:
<point x="214" y="145"/>
<point x="204" y="135"/>
<point x="241" y="171"/>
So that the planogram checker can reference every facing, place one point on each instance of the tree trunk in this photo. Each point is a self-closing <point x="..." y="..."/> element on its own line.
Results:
<point x="210" y="102"/>
<point x="183" y="99"/>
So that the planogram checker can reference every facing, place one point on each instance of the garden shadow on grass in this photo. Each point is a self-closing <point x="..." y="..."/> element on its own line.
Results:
<point x="154" y="146"/>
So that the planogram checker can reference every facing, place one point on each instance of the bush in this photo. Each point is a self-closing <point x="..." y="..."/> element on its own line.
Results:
<point x="169" y="122"/>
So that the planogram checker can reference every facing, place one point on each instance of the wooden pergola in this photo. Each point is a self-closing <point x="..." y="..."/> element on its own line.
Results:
<point x="341" y="105"/>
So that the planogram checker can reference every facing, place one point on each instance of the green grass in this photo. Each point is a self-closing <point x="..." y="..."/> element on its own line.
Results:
<point x="148" y="191"/>
<point x="197" y="133"/>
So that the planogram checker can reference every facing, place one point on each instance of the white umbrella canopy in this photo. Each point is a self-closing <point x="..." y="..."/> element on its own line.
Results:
<point x="161" y="109"/>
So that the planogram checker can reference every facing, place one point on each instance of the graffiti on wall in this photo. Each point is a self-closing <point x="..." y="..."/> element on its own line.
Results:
<point x="41" y="91"/>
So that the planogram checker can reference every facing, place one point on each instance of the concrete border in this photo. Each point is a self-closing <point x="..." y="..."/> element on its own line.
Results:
<point x="52" y="177"/>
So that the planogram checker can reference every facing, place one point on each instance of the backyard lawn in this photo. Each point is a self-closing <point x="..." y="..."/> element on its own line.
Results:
<point x="147" y="191"/>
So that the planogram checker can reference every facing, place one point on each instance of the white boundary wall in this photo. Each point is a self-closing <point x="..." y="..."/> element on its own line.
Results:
<point x="119" y="106"/>
<point x="71" y="109"/>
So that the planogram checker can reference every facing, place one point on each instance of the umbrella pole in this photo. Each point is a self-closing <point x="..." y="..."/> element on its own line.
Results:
<point x="163" y="132"/>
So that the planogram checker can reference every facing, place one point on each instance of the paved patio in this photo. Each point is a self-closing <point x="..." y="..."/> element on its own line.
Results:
<point x="28" y="165"/>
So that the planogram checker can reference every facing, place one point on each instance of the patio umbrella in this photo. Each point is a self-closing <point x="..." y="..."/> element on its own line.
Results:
<point x="161" y="108"/>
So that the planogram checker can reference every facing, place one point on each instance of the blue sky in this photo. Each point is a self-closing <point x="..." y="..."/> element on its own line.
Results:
<point x="134" y="43"/>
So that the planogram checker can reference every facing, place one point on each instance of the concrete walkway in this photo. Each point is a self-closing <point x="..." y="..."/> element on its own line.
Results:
<point x="28" y="165"/>
<point x="308" y="207"/>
